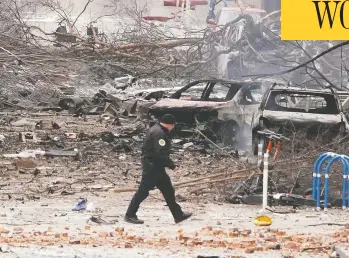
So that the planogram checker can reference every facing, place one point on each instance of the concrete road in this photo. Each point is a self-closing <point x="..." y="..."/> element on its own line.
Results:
<point x="37" y="228"/>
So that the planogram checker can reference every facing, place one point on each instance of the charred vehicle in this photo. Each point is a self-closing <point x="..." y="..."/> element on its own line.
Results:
<point x="222" y="110"/>
<point x="314" y="114"/>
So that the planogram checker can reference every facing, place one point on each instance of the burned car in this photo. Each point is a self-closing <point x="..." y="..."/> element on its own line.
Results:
<point x="311" y="112"/>
<point x="222" y="110"/>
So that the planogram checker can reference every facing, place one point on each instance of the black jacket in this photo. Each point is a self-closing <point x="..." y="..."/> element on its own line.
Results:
<point x="156" y="148"/>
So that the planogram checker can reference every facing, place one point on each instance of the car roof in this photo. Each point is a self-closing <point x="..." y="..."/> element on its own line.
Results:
<point x="237" y="84"/>
<point x="301" y="90"/>
<point x="225" y="81"/>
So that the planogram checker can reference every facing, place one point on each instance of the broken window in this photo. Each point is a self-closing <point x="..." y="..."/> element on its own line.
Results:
<point x="316" y="103"/>
<point x="194" y="92"/>
<point x="208" y="91"/>
<point x="217" y="92"/>
<point x="251" y="95"/>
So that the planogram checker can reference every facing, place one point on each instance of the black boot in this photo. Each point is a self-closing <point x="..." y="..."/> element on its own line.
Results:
<point x="133" y="219"/>
<point x="186" y="215"/>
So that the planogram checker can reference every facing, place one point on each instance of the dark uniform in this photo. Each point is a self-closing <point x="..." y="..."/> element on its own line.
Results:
<point x="155" y="158"/>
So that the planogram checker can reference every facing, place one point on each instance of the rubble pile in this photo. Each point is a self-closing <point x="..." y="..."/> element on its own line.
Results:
<point x="71" y="145"/>
<point x="42" y="136"/>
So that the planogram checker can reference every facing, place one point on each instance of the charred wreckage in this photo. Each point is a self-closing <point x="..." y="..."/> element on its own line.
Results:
<point x="226" y="113"/>
<point x="312" y="113"/>
<point x="222" y="110"/>
<point x="234" y="112"/>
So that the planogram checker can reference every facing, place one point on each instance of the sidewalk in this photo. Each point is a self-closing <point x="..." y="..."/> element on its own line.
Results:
<point x="224" y="230"/>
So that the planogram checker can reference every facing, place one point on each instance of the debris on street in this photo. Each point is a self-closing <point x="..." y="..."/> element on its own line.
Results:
<point x="77" y="96"/>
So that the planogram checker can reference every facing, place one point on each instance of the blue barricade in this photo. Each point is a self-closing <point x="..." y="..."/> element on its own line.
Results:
<point x="318" y="171"/>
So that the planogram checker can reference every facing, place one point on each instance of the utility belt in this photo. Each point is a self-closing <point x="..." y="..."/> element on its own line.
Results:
<point x="149" y="163"/>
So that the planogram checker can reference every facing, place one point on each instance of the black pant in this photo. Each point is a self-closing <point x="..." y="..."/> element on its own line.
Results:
<point x="159" y="178"/>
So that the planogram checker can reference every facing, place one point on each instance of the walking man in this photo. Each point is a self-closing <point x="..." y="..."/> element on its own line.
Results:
<point x="155" y="158"/>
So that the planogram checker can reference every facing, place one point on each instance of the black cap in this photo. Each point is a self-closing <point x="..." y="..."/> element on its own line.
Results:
<point x="168" y="119"/>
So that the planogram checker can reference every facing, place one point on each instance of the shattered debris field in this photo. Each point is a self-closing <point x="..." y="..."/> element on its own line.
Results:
<point x="58" y="148"/>
<point x="81" y="85"/>
<point x="51" y="160"/>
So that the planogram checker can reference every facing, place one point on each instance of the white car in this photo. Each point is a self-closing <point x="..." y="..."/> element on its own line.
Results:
<point x="315" y="113"/>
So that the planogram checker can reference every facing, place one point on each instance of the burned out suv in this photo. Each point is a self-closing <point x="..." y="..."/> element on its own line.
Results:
<point x="220" y="109"/>
<point x="289" y="110"/>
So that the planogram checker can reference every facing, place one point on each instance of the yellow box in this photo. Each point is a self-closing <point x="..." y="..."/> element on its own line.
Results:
<point x="312" y="20"/>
